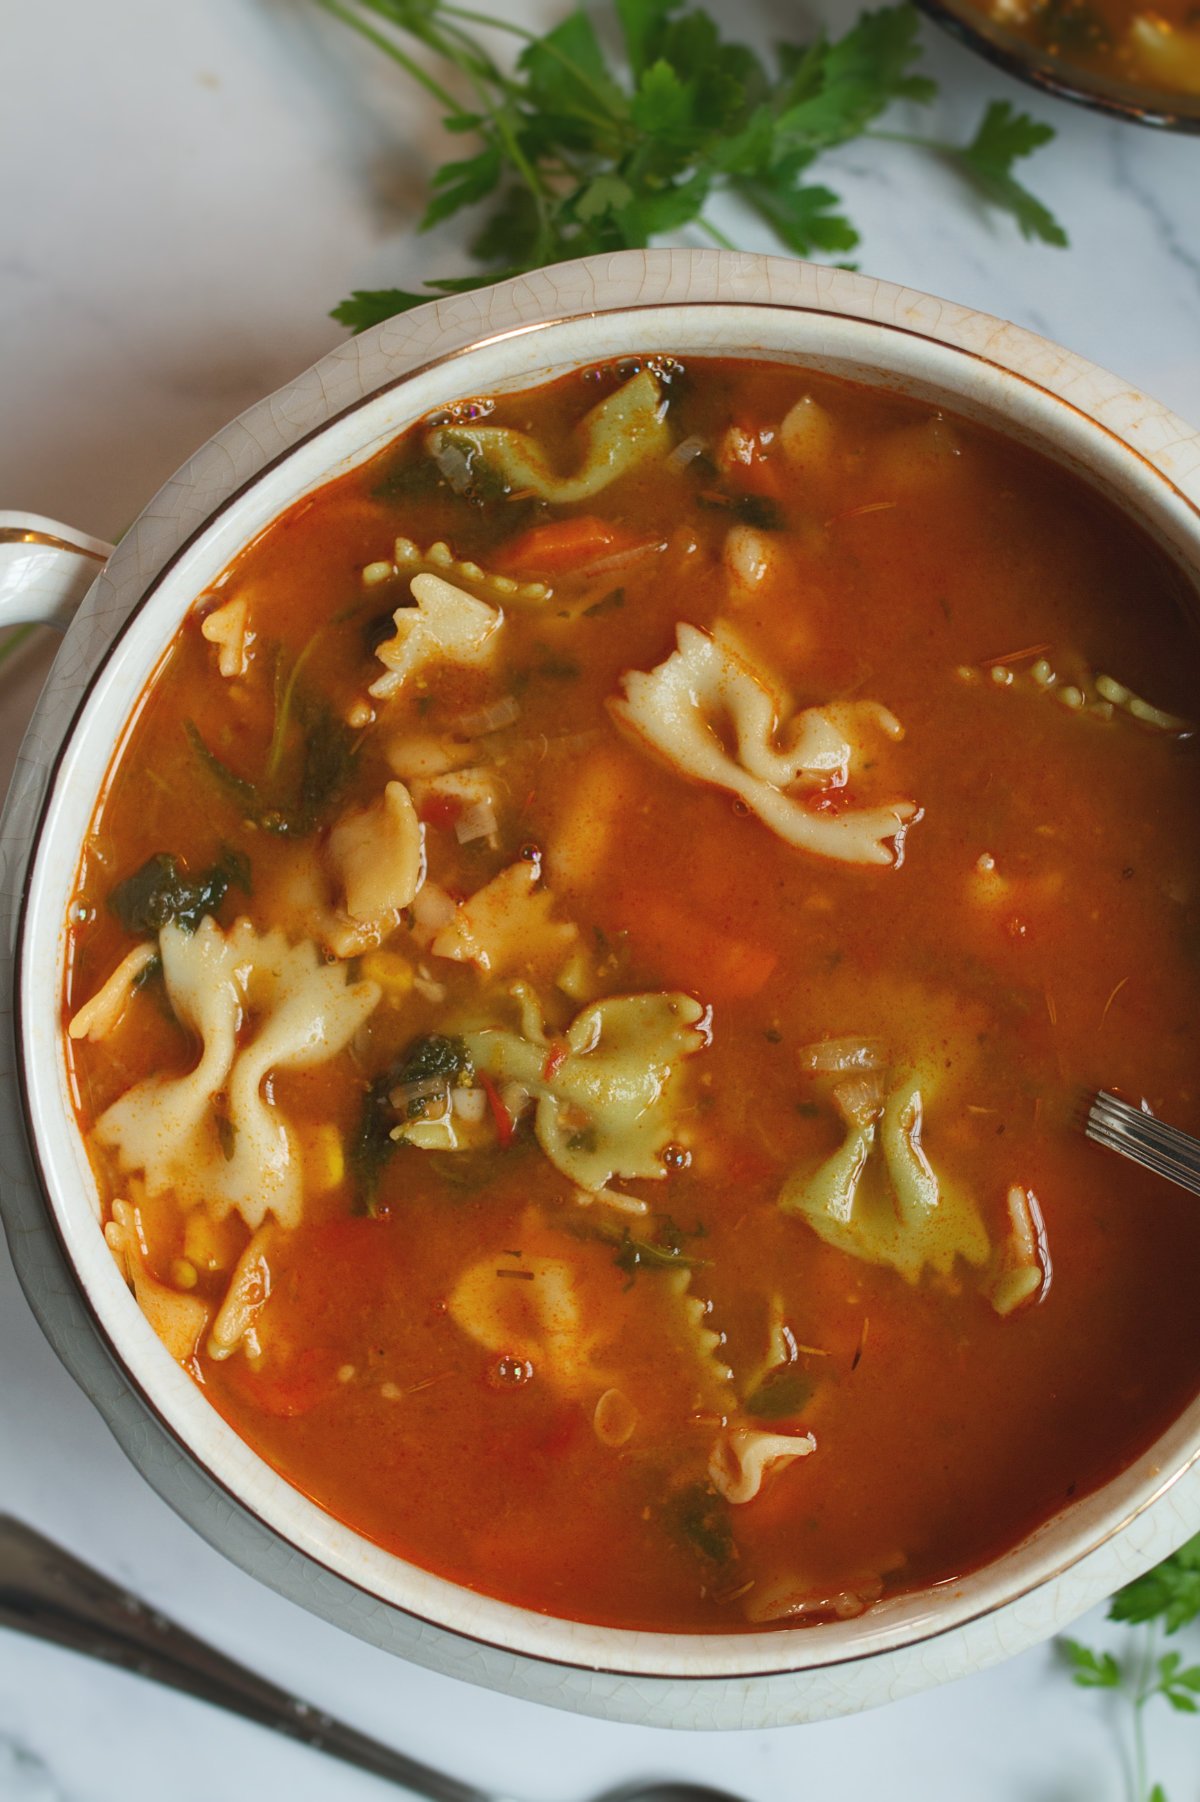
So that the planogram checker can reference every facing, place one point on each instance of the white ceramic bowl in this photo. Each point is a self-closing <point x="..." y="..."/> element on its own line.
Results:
<point x="328" y="420"/>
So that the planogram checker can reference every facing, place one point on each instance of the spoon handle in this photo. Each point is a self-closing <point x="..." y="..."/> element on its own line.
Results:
<point x="46" y="1592"/>
<point x="1167" y="1150"/>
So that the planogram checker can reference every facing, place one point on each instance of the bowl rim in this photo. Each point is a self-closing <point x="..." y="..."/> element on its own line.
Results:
<point x="914" y="1636"/>
<point x="1158" y="109"/>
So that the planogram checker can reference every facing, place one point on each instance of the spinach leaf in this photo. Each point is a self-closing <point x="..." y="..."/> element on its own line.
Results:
<point x="329" y="757"/>
<point x="372" y="1145"/>
<point x="781" y="1395"/>
<point x="699" y="1518"/>
<point x="328" y="754"/>
<point x="431" y="1055"/>
<point x="468" y="471"/>
<point x="160" y="892"/>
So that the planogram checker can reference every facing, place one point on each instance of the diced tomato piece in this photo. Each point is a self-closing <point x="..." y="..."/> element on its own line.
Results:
<point x="748" y="463"/>
<point x="505" y="1126"/>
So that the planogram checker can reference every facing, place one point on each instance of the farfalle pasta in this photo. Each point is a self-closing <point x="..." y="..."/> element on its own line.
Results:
<point x="579" y="978"/>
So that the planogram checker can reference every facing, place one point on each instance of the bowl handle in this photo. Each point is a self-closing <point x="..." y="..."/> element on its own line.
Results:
<point x="45" y="570"/>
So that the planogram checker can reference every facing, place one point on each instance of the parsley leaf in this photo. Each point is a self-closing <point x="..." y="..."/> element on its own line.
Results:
<point x="1002" y="139"/>
<point x="1170" y="1592"/>
<point x="1091" y="1670"/>
<point x="1165" y="1600"/>
<point x="577" y="155"/>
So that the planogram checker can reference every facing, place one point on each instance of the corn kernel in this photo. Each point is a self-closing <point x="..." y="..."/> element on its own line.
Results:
<point x="210" y="1244"/>
<point x="393" y="973"/>
<point x="576" y="979"/>
<point x="327" y="1158"/>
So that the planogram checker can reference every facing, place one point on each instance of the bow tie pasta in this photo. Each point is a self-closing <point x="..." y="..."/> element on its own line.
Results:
<point x="210" y="1136"/>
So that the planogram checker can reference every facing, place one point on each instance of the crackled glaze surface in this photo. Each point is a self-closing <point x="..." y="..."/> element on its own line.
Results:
<point x="773" y="305"/>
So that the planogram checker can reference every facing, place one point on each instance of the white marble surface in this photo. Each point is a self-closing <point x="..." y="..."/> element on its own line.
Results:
<point x="188" y="188"/>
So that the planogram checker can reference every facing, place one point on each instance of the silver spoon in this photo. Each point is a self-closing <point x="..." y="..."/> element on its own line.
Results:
<point x="48" y="1593"/>
<point x="1167" y="1150"/>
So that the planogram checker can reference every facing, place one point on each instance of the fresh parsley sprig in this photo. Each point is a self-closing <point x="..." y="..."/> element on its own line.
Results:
<point x="577" y="156"/>
<point x="1162" y="1602"/>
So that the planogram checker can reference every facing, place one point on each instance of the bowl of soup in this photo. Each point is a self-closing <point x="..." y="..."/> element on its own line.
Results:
<point x="566" y="886"/>
<point x="1120" y="57"/>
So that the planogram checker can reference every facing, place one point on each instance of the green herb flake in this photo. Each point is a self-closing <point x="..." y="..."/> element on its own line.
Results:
<point x="609" y="604"/>
<point x="749" y="509"/>
<point x="226" y="1134"/>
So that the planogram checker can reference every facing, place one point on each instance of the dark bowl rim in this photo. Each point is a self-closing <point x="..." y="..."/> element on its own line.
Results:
<point x="1053" y="75"/>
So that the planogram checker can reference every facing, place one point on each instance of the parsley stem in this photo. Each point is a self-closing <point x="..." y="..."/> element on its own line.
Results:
<point x="492" y="23"/>
<point x="419" y="75"/>
<point x="715" y="233"/>
<point x="1145" y="1687"/>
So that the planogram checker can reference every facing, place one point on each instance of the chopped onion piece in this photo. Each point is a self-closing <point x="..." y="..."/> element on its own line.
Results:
<point x="429" y="990"/>
<point x="423" y="1089"/>
<point x="632" y="553"/>
<point x="860" y="1098"/>
<point x="478" y="821"/>
<point x="831" y="1056"/>
<point x="571" y="744"/>
<point x="470" y="1105"/>
<point x="491" y="718"/>
<point x="515" y="1098"/>
<point x="685" y="452"/>
<point x="424" y="755"/>
<point x="432" y="908"/>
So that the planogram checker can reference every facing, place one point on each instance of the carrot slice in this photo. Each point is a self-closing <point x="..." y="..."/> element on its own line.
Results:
<point x="560" y="545"/>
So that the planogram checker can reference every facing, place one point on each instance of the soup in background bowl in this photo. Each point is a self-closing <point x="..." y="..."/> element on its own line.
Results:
<point x="577" y="982"/>
<point x="1140" y="63"/>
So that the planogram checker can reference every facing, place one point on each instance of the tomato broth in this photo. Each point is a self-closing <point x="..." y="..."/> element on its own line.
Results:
<point x="1155" y="48"/>
<point x="598" y="1113"/>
